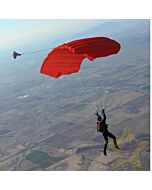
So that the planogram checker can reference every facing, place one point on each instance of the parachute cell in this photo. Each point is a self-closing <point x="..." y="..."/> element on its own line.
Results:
<point x="67" y="58"/>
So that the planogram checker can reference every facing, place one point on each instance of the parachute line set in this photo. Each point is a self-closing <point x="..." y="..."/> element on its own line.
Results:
<point x="66" y="59"/>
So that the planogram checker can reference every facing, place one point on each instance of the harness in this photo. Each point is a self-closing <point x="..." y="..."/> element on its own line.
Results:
<point x="101" y="127"/>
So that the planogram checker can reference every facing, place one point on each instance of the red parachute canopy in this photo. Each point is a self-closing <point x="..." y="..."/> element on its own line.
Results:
<point x="67" y="58"/>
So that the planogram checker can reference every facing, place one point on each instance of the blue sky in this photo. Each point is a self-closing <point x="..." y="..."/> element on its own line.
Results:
<point x="14" y="33"/>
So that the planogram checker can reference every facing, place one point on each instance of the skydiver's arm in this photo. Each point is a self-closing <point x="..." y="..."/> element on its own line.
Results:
<point x="97" y="113"/>
<point x="104" y="115"/>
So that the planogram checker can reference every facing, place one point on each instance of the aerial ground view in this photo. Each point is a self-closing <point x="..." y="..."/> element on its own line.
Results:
<point x="62" y="79"/>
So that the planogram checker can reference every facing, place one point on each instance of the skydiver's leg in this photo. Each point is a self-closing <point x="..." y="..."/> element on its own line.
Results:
<point x="106" y="143"/>
<point x="114" y="139"/>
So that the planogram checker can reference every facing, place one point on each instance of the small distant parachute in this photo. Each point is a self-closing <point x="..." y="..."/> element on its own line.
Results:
<point x="67" y="58"/>
<point x="15" y="54"/>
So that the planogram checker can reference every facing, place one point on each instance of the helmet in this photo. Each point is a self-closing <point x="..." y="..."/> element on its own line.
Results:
<point x="99" y="118"/>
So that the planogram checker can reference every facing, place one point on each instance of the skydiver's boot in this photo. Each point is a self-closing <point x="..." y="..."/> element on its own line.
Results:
<point x="104" y="152"/>
<point x="115" y="143"/>
<point x="105" y="148"/>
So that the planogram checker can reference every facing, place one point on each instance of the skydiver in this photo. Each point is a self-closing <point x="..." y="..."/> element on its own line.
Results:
<point x="15" y="54"/>
<point x="103" y="128"/>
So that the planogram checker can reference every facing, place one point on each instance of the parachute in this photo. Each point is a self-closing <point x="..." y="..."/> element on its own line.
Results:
<point x="67" y="58"/>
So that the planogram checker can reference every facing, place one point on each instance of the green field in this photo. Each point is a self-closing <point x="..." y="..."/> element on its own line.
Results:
<point x="43" y="159"/>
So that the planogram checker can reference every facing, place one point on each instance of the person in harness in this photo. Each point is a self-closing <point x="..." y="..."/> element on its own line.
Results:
<point x="15" y="54"/>
<point x="103" y="128"/>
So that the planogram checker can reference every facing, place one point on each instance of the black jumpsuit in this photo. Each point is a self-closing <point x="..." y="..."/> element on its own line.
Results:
<point x="106" y="133"/>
